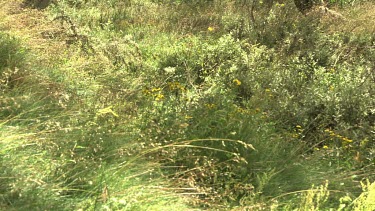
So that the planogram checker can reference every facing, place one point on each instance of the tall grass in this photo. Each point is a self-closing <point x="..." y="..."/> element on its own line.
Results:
<point x="154" y="105"/>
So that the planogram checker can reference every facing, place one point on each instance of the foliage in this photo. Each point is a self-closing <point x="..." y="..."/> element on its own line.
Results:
<point x="366" y="200"/>
<point x="165" y="105"/>
<point x="11" y="59"/>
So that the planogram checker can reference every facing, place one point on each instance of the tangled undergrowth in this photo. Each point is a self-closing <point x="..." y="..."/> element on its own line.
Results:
<point x="186" y="105"/>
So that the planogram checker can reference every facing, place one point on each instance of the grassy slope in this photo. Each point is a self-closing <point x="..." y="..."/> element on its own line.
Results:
<point x="67" y="145"/>
<point x="33" y="168"/>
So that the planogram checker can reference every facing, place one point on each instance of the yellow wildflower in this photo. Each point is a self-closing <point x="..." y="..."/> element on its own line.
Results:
<point x="237" y="82"/>
<point x="325" y="147"/>
<point x="146" y="92"/>
<point x="159" y="97"/>
<point x="348" y="140"/>
<point x="210" y="29"/>
<point x="155" y="89"/>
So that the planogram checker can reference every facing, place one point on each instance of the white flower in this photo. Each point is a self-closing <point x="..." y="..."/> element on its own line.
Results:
<point x="170" y="70"/>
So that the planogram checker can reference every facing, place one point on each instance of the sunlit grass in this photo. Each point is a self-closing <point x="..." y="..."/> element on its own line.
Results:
<point x="148" y="105"/>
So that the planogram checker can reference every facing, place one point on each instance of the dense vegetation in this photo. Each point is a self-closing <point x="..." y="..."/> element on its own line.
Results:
<point x="187" y="105"/>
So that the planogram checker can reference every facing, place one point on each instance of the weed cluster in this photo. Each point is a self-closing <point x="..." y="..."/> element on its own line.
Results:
<point x="234" y="104"/>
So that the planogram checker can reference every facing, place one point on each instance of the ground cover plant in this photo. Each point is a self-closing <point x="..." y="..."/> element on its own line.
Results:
<point x="187" y="105"/>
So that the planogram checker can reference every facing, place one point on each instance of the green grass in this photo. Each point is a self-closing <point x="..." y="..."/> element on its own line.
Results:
<point x="153" y="105"/>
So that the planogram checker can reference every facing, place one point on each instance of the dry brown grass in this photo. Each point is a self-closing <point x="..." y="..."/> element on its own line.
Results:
<point x="49" y="41"/>
<point x="358" y="19"/>
<point x="31" y="26"/>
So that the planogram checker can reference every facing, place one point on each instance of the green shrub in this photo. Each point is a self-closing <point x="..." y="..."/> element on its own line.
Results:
<point x="12" y="57"/>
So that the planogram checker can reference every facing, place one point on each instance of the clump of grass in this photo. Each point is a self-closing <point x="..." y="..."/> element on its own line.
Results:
<point x="12" y="57"/>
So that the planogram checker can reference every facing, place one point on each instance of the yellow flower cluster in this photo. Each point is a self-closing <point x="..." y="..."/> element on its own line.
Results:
<point x="248" y="111"/>
<point x="150" y="91"/>
<point x="298" y="132"/>
<point x="345" y="141"/>
<point x="324" y="147"/>
<point x="243" y="111"/>
<point x="340" y="137"/>
<point x="159" y="97"/>
<point x="174" y="86"/>
<point x="155" y="93"/>
<point x="299" y="129"/>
